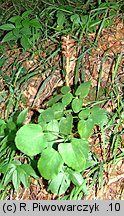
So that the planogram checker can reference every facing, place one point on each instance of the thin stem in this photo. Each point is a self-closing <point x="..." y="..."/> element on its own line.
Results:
<point x="67" y="71"/>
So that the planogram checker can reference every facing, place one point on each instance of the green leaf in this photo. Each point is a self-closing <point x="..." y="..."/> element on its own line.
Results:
<point x="26" y="13"/>
<point x="53" y="126"/>
<point x="7" y="27"/>
<point x="11" y="125"/>
<point x="99" y="116"/>
<point x="2" y="61"/>
<point x="2" y="128"/>
<point x="77" y="105"/>
<point x="35" y="23"/>
<point x="122" y="115"/>
<point x="46" y="115"/>
<point x="25" y="31"/>
<point x="30" y="139"/>
<point x="65" y="89"/>
<point x="23" y="177"/>
<point x="85" y="128"/>
<point x="58" y="110"/>
<point x="16" y="180"/>
<point x="8" y="37"/>
<point x="22" y="116"/>
<point x="83" y="89"/>
<point x="8" y="176"/>
<point x="84" y="114"/>
<point x="84" y="19"/>
<point x="75" y="18"/>
<point x="93" y="24"/>
<point x="67" y="98"/>
<point x="2" y="122"/>
<point x="25" y="42"/>
<point x="66" y="7"/>
<point x="59" y="184"/>
<point x="18" y="23"/>
<point x="15" y="18"/>
<point x="26" y="23"/>
<point x="29" y="170"/>
<point x="50" y="138"/>
<point x="76" y="178"/>
<point x="54" y="99"/>
<point x="16" y="33"/>
<point x="75" y="153"/>
<point x="50" y="163"/>
<point x="66" y="125"/>
<point x="60" y="18"/>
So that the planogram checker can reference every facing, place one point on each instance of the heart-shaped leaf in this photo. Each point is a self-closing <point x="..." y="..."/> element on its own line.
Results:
<point x="75" y="153"/>
<point x="67" y="98"/>
<point x="77" y="105"/>
<point x="84" y="114"/>
<point x="50" y="163"/>
<point x="66" y="124"/>
<point x="65" y="89"/>
<point x="99" y="116"/>
<point x="83" y="89"/>
<point x="85" y="128"/>
<point x="46" y="115"/>
<point x="30" y="139"/>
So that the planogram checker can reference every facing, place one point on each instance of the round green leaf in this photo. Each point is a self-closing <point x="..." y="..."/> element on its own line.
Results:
<point x="46" y="115"/>
<point x="65" y="89"/>
<point x="60" y="18"/>
<point x="50" y="163"/>
<point x="67" y="98"/>
<point x="30" y="139"/>
<point x="75" y="153"/>
<point x="99" y="116"/>
<point x="76" y="105"/>
<point x="84" y="114"/>
<point x="83" y="89"/>
<point x="85" y="128"/>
